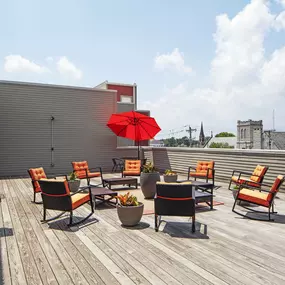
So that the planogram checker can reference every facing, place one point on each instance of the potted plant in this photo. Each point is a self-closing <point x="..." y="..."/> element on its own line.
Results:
<point x="73" y="182"/>
<point x="170" y="176"/>
<point x="129" y="209"/>
<point x="148" y="178"/>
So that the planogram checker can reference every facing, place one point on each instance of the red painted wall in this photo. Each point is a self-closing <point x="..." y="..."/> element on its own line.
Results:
<point x="122" y="90"/>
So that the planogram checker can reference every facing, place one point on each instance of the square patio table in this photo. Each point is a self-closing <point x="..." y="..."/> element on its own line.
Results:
<point x="203" y="192"/>
<point x="100" y="193"/>
<point x="120" y="181"/>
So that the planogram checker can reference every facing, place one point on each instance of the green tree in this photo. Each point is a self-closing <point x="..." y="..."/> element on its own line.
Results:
<point x="224" y="134"/>
<point x="220" y="145"/>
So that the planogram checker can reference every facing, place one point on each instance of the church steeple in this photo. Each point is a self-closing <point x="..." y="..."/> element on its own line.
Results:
<point x="202" y="136"/>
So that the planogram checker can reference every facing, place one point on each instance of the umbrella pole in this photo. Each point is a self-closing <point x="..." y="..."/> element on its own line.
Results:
<point x="138" y="149"/>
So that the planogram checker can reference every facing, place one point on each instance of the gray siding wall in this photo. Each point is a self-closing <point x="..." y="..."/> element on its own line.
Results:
<point x="80" y="131"/>
<point x="179" y="159"/>
<point x="124" y="107"/>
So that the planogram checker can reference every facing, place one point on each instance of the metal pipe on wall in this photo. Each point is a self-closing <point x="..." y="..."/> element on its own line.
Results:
<point x="52" y="145"/>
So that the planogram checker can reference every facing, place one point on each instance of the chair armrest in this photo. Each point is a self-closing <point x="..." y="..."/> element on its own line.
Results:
<point x="246" y="183"/>
<point x="243" y="172"/>
<point x="80" y="190"/>
<point x="191" y="167"/>
<point x="96" y="168"/>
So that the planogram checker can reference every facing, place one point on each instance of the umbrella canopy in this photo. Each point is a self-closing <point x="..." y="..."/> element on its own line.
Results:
<point x="133" y="125"/>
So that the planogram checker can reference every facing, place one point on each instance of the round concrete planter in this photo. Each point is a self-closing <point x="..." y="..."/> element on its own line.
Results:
<point x="148" y="184"/>
<point x="170" y="178"/>
<point x="130" y="215"/>
<point x="74" y="185"/>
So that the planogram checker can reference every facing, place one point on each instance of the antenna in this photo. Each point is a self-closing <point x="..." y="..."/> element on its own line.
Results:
<point x="273" y="118"/>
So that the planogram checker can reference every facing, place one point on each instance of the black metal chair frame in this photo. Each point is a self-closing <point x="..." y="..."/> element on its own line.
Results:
<point x="62" y="202"/>
<point x="206" y="176"/>
<point x="174" y="202"/>
<point x="247" y="173"/>
<point x="117" y="163"/>
<point x="271" y="204"/>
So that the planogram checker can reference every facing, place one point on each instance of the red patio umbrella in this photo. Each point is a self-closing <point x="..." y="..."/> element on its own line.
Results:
<point x="133" y="125"/>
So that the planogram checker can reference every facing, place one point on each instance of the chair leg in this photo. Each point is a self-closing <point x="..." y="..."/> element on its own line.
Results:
<point x="155" y="223"/>
<point x="34" y="197"/>
<point x="193" y="224"/>
<point x="44" y="215"/>
<point x="70" y="218"/>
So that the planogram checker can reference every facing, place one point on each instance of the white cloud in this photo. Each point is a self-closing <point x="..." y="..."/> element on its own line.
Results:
<point x="49" y="59"/>
<point x="279" y="23"/>
<point x="244" y="82"/>
<point x="17" y="63"/>
<point x="68" y="69"/>
<point x="172" y="61"/>
<point x="282" y="2"/>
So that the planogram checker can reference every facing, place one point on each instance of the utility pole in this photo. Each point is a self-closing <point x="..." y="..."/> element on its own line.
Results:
<point x="190" y="131"/>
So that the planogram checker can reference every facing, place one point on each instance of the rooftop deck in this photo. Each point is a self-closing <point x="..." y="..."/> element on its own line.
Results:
<point x="226" y="249"/>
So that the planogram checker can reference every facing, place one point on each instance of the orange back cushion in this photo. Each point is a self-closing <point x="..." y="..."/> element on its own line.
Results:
<point x="202" y="167"/>
<point x="79" y="167"/>
<point x="277" y="183"/>
<point x="37" y="174"/>
<point x="133" y="165"/>
<point x="258" y="173"/>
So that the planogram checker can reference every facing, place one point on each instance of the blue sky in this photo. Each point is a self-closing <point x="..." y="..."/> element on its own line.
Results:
<point x="86" y="42"/>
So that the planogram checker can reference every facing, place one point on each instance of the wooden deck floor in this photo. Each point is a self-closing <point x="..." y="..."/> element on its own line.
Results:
<point x="226" y="249"/>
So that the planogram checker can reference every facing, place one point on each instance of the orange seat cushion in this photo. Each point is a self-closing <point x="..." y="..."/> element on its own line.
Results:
<point x="131" y="173"/>
<point x="243" y="180"/>
<point x="200" y="174"/>
<point x="255" y="196"/>
<point x="78" y="199"/>
<point x="90" y="175"/>
<point x="37" y="174"/>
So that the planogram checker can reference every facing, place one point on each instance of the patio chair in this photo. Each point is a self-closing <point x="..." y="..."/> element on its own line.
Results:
<point x="174" y="199"/>
<point x="56" y="196"/>
<point x="203" y="169"/>
<point x="36" y="174"/>
<point x="132" y="168"/>
<point x="253" y="179"/>
<point x="118" y="163"/>
<point x="82" y="171"/>
<point x="260" y="197"/>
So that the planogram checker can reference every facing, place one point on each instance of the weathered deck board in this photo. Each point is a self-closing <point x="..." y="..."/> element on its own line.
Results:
<point x="232" y="250"/>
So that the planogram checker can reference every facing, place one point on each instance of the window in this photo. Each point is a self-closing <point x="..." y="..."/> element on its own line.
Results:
<point x="241" y="133"/>
<point x="126" y="99"/>
<point x="244" y="133"/>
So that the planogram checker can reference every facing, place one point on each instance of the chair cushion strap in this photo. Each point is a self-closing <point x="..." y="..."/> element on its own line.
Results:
<point x="177" y="199"/>
<point x="55" y="195"/>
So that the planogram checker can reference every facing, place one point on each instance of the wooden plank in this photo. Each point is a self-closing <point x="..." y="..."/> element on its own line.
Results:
<point x="122" y="253"/>
<point x="44" y="269"/>
<point x="177" y="256"/>
<point x="125" y="239"/>
<point x="5" y="275"/>
<point x="15" y="263"/>
<point x="52" y="257"/>
<point x="29" y="265"/>
<point x="98" y="268"/>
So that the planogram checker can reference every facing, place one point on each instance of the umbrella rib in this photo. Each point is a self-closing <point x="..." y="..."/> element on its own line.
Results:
<point x="145" y="129"/>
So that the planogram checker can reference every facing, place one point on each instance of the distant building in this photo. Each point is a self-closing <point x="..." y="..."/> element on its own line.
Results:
<point x="156" y="143"/>
<point x="231" y="141"/>
<point x="250" y="135"/>
<point x="202" y="135"/>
